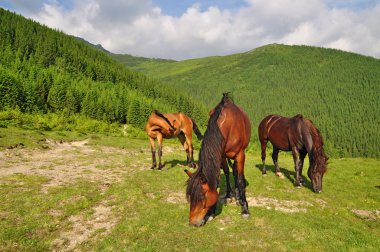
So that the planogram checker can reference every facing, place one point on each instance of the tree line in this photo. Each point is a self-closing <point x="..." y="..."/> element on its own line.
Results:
<point x="44" y="70"/>
<point x="338" y="91"/>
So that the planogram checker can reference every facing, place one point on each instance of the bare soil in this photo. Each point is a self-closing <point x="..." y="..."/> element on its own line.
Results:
<point x="64" y="163"/>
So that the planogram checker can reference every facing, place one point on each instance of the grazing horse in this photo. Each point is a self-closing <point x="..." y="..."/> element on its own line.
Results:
<point x="299" y="135"/>
<point x="227" y="136"/>
<point x="179" y="125"/>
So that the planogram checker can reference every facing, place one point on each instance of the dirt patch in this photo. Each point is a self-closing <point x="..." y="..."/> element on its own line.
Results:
<point x="82" y="229"/>
<point x="365" y="214"/>
<point x="286" y="206"/>
<point x="67" y="162"/>
<point x="176" y="198"/>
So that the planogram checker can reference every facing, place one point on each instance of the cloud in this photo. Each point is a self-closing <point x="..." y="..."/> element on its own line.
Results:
<point x="139" y="27"/>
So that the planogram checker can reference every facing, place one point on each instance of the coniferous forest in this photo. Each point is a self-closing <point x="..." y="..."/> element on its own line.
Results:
<point x="337" y="90"/>
<point x="44" y="71"/>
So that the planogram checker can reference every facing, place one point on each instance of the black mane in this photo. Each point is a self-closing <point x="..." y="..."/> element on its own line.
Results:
<point x="163" y="117"/>
<point x="210" y="156"/>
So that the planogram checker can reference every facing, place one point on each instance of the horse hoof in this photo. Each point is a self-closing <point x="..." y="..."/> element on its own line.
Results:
<point x="279" y="174"/>
<point x="264" y="174"/>
<point x="226" y="200"/>
<point x="245" y="215"/>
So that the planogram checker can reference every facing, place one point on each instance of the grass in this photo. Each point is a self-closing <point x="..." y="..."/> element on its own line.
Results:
<point x="149" y="212"/>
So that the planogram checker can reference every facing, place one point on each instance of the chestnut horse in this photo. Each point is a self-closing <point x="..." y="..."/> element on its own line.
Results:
<point x="227" y="136"/>
<point x="299" y="135"/>
<point x="179" y="125"/>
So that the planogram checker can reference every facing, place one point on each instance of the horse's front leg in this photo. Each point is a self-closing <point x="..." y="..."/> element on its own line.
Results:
<point x="263" y="156"/>
<point x="241" y="184"/>
<point x="189" y="140"/>
<point x="159" y="139"/>
<point x="297" y="167"/>
<point x="153" y="150"/>
<point x="302" y="159"/>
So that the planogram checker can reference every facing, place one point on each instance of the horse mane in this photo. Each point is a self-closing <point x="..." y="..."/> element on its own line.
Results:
<point x="210" y="157"/>
<point x="317" y="155"/>
<point x="163" y="117"/>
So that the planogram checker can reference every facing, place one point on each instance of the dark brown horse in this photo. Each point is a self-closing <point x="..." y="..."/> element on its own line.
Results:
<point x="227" y="136"/>
<point x="179" y="125"/>
<point x="299" y="135"/>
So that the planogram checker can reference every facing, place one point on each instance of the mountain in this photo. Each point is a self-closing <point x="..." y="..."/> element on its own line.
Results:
<point x="46" y="71"/>
<point x="337" y="90"/>
<point x="98" y="46"/>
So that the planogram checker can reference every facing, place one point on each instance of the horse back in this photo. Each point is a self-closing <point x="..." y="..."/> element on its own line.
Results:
<point x="236" y="129"/>
<point x="158" y="125"/>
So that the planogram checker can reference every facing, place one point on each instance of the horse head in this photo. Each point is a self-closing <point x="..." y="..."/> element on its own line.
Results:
<point x="316" y="173"/>
<point x="201" y="198"/>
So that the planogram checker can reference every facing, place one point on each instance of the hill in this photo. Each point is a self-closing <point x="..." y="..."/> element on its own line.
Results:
<point x="43" y="70"/>
<point x="338" y="91"/>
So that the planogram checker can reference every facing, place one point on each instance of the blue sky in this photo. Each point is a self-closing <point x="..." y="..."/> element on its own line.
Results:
<point x="177" y="8"/>
<point x="190" y="29"/>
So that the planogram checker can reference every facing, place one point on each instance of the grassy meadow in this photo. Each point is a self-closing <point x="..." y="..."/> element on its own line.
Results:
<point x="65" y="191"/>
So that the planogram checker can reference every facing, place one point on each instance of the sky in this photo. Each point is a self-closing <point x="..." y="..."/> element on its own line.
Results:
<point x="185" y="29"/>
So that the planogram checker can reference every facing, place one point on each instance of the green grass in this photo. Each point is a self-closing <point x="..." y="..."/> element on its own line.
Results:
<point x="151" y="214"/>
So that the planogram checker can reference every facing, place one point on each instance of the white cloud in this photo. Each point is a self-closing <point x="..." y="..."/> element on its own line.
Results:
<point x="138" y="27"/>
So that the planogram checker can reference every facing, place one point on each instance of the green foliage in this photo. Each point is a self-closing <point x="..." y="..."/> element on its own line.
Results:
<point x="43" y="71"/>
<point x="62" y="121"/>
<point x="338" y="91"/>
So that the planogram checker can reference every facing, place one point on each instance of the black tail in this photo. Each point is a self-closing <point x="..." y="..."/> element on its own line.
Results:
<point x="163" y="117"/>
<point x="196" y="130"/>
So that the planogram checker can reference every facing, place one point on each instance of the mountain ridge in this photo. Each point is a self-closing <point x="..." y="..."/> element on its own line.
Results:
<point x="338" y="90"/>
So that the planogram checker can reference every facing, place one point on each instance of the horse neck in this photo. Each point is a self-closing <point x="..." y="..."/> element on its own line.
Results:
<point x="159" y="114"/>
<point x="317" y="154"/>
<point x="211" y="152"/>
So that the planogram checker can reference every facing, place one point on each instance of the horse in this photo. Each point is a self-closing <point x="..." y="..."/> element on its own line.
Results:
<point x="179" y="125"/>
<point x="298" y="135"/>
<point x="227" y="136"/>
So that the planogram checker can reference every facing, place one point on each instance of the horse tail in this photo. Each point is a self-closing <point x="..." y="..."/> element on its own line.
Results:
<point x="317" y="154"/>
<point x="196" y="130"/>
<point x="166" y="119"/>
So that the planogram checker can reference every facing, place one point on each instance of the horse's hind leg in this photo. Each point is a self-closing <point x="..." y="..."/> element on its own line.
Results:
<point x="275" y="160"/>
<point x="182" y="138"/>
<point x="241" y="184"/>
<point x="189" y="141"/>
<point x="237" y="192"/>
<point x="263" y="156"/>
<point x="226" y="171"/>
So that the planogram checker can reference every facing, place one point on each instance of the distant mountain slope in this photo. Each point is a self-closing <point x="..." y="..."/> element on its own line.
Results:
<point x="339" y="91"/>
<point x="43" y="70"/>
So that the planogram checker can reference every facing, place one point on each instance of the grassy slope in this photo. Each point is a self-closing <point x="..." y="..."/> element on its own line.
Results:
<point x="337" y="90"/>
<point x="146" y="220"/>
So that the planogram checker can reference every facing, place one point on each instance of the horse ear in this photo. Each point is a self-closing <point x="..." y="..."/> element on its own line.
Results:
<point x="188" y="173"/>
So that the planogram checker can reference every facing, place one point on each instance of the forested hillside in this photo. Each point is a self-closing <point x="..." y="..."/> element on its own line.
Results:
<point x="44" y="70"/>
<point x="338" y="91"/>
